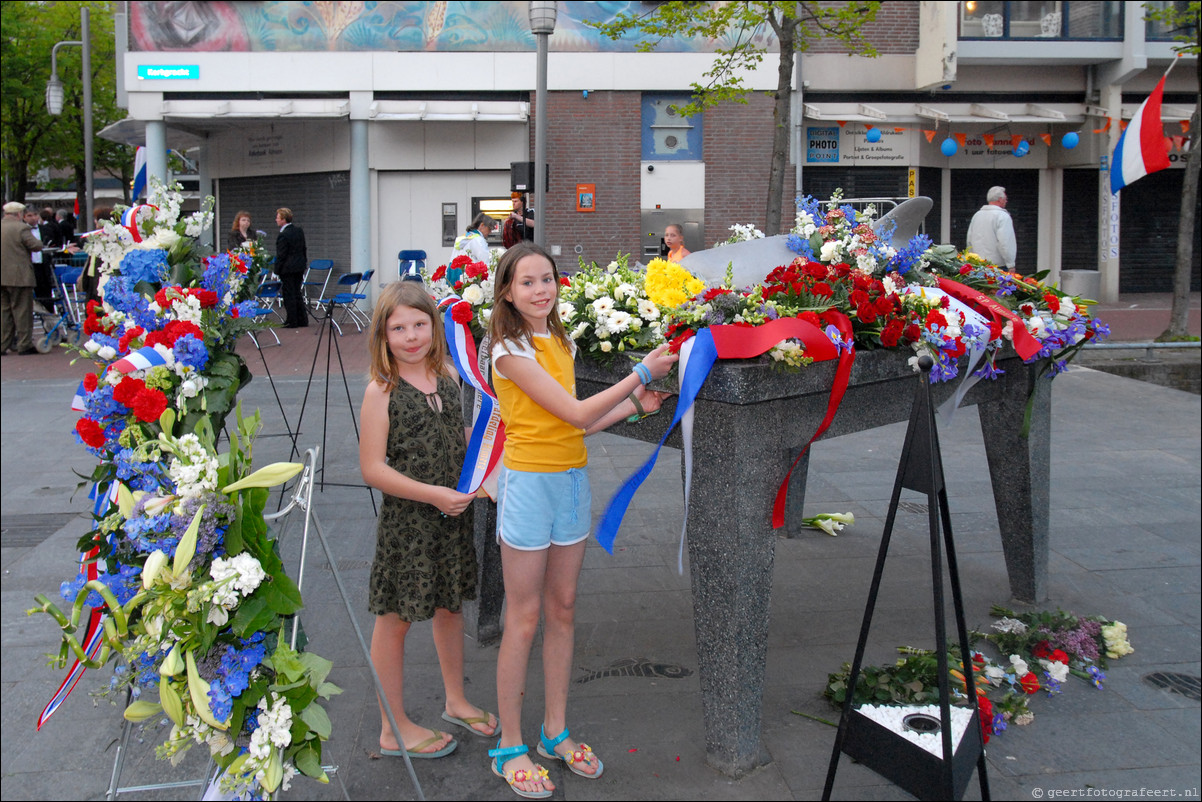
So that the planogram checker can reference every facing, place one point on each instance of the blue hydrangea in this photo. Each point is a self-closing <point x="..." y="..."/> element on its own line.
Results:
<point x="145" y="265"/>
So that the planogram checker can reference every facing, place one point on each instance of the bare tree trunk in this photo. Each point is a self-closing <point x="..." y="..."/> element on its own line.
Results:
<point x="785" y="30"/>
<point x="1179" y="317"/>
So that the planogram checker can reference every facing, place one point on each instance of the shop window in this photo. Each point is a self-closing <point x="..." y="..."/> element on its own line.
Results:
<point x="666" y="134"/>
<point x="1040" y="19"/>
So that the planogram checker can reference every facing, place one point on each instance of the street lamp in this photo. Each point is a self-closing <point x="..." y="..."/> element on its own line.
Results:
<point x="54" y="99"/>
<point x="542" y="25"/>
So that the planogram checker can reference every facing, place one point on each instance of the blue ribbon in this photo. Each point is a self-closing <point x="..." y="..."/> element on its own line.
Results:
<point x="704" y="354"/>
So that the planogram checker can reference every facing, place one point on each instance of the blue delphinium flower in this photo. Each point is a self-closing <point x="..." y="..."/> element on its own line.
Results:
<point x="911" y="255"/>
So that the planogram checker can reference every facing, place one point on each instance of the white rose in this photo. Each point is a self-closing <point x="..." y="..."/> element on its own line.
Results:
<point x="607" y="346"/>
<point x="473" y="294"/>
<point x="829" y="251"/>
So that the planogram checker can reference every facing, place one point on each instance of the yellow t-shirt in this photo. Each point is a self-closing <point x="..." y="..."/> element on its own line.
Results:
<point x="536" y="440"/>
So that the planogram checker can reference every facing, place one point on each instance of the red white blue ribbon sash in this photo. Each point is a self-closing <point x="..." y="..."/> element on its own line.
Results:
<point x="487" y="440"/>
<point x="736" y="342"/>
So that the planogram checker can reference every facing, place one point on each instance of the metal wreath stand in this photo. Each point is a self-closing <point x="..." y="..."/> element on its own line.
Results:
<point x="301" y="499"/>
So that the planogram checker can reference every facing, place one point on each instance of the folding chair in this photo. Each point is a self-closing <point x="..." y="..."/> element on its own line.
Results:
<point x="269" y="295"/>
<point x="349" y="300"/>
<point x="317" y="278"/>
<point x="411" y="264"/>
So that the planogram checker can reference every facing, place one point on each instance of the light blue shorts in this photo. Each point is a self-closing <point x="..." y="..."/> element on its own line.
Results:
<point x="536" y="509"/>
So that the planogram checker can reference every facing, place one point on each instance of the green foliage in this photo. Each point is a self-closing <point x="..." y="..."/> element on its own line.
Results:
<point x="1181" y="19"/>
<point x="30" y="138"/>
<point x="742" y="24"/>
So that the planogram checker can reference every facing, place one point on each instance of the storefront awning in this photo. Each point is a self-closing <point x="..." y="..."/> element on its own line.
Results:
<point x="958" y="113"/>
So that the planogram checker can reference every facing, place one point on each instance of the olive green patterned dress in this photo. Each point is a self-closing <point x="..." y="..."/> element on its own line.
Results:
<point x="424" y="561"/>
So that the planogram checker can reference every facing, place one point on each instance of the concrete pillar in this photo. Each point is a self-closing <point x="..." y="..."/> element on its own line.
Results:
<point x="1109" y="228"/>
<point x="360" y="222"/>
<point x="156" y="152"/>
<point x="1051" y="220"/>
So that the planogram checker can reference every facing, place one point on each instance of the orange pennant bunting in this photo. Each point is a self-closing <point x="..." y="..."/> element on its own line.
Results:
<point x="988" y="140"/>
<point x="962" y="139"/>
<point x="898" y="130"/>
<point x="841" y="123"/>
<point x="1047" y="139"/>
<point x="929" y="134"/>
<point x="1185" y="126"/>
<point x="1015" y="139"/>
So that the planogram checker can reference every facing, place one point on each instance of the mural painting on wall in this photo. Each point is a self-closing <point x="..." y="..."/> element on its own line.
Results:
<point x="385" y="25"/>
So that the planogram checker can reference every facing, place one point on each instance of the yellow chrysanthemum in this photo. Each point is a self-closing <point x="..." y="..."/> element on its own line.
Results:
<point x="669" y="284"/>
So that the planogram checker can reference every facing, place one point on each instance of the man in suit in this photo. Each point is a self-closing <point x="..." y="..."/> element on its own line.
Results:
<point x="291" y="260"/>
<point x="17" y="281"/>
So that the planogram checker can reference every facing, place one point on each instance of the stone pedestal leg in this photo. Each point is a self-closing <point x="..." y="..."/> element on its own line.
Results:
<point x="1020" y="471"/>
<point x="731" y="548"/>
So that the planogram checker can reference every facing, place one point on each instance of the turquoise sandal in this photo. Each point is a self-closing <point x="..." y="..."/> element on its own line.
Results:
<point x="580" y="754"/>
<point x="501" y="756"/>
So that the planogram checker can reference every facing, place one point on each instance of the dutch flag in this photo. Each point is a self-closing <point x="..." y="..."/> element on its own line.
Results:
<point x="1141" y="149"/>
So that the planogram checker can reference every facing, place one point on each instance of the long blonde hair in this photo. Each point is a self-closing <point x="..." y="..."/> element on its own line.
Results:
<point x="506" y="322"/>
<point x="413" y="295"/>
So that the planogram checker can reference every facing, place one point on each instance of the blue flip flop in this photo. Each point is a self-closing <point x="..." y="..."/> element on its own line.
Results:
<point x="414" y="754"/>
<point x="500" y="756"/>
<point x="546" y="748"/>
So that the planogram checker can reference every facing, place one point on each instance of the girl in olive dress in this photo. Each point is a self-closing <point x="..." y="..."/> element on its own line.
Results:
<point x="411" y="448"/>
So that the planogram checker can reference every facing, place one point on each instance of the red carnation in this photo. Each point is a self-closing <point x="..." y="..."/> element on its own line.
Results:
<point x="1030" y="683"/>
<point x="565" y="281"/>
<point x="462" y="312"/>
<point x="475" y="269"/>
<point x="129" y="336"/>
<point x="1042" y="650"/>
<point x="823" y="289"/>
<point x="461" y="261"/>
<point x="713" y="293"/>
<point x="810" y="317"/>
<point x="439" y="274"/>
<point x="208" y="299"/>
<point x="149" y="404"/>
<point x="912" y="332"/>
<point x="858" y="297"/>
<point x="985" y="708"/>
<point x="884" y="304"/>
<point x="90" y="382"/>
<point x="127" y="390"/>
<point x="866" y="313"/>
<point x="91" y="432"/>
<point x="1058" y="656"/>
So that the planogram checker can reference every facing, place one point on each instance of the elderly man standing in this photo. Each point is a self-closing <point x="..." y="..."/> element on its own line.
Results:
<point x="17" y="242"/>
<point x="991" y="232"/>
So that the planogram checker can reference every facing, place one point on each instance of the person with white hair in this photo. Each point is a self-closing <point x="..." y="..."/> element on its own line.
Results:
<point x="991" y="232"/>
<point x="17" y="244"/>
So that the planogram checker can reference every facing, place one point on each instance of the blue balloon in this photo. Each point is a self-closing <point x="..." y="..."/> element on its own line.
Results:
<point x="1022" y="149"/>
<point x="949" y="147"/>
<point x="873" y="135"/>
<point x="1070" y="140"/>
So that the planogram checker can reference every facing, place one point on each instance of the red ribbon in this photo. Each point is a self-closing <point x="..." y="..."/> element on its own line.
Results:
<point x="1025" y="343"/>
<point x="743" y="342"/>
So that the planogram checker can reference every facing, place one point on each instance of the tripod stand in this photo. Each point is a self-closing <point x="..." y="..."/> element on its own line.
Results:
<point x="923" y="773"/>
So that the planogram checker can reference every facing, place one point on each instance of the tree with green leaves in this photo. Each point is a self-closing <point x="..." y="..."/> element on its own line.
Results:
<point x="30" y="138"/>
<point x="795" y="25"/>
<point x="1183" y="20"/>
